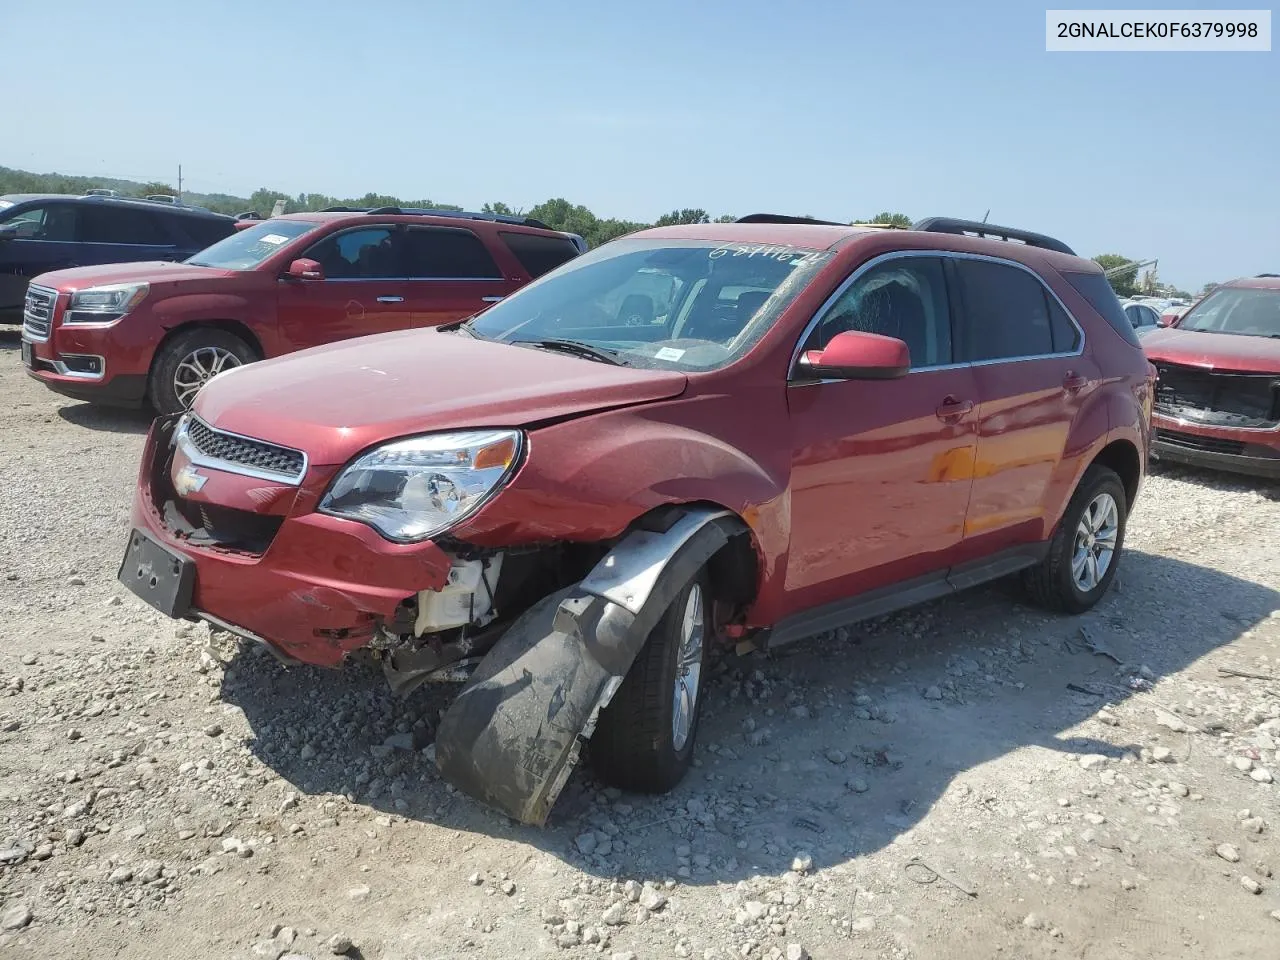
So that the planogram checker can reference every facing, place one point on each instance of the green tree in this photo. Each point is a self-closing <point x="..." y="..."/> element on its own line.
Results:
<point x="501" y="209"/>
<point x="893" y="219"/>
<point x="726" y="218"/>
<point x="1124" y="283"/>
<point x="687" y="215"/>
<point x="1207" y="289"/>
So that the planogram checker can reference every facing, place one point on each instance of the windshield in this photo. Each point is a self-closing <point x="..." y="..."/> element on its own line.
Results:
<point x="247" y="248"/>
<point x="694" y="305"/>
<point x="1246" y="311"/>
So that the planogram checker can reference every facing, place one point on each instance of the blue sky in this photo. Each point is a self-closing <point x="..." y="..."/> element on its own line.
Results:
<point x="834" y="109"/>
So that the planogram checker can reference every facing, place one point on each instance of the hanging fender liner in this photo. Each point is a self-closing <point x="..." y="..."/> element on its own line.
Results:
<point x="514" y="733"/>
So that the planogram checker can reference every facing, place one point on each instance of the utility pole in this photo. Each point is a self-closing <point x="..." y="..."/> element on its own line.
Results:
<point x="179" y="183"/>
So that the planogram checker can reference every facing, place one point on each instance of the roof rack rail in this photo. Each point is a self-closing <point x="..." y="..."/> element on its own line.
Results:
<point x="962" y="227"/>
<point x="783" y="218"/>
<point x="451" y="214"/>
<point x="1266" y="276"/>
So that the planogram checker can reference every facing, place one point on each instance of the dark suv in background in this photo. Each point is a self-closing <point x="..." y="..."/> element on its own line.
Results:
<point x="43" y="232"/>
<point x="132" y="333"/>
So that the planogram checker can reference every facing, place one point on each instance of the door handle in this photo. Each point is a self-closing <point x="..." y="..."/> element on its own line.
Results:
<point x="391" y="299"/>
<point x="951" y="409"/>
<point x="492" y="299"/>
<point x="1074" y="382"/>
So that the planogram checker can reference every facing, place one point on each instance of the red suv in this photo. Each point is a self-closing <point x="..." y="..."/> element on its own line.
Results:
<point x="758" y="431"/>
<point x="1218" y="398"/>
<point x="128" y="333"/>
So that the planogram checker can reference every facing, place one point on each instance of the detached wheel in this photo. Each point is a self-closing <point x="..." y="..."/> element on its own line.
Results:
<point x="644" y="738"/>
<point x="189" y="361"/>
<point x="1085" y="551"/>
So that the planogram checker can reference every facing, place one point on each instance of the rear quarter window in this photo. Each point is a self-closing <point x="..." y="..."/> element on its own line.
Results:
<point x="539" y="254"/>
<point x="1095" y="288"/>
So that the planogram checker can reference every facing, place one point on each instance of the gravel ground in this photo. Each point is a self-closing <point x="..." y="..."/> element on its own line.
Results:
<point x="965" y="780"/>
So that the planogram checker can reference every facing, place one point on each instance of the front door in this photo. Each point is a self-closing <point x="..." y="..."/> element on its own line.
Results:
<point x="34" y="240"/>
<point x="1032" y="378"/>
<point x="450" y="275"/>
<point x="363" y="290"/>
<point x="881" y="468"/>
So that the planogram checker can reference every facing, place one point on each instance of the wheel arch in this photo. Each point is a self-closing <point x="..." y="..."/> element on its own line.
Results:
<point x="1122" y="456"/>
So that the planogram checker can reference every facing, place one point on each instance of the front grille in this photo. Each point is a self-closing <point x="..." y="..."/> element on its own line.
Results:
<point x="1190" y="441"/>
<point x="255" y="455"/>
<point x="1223" y="399"/>
<point x="37" y="312"/>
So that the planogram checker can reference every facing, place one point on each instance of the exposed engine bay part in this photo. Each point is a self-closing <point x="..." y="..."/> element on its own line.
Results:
<point x="466" y="600"/>
<point x="514" y="733"/>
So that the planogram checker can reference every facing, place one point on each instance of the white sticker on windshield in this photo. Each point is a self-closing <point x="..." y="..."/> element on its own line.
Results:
<point x="669" y="353"/>
<point x="274" y="239"/>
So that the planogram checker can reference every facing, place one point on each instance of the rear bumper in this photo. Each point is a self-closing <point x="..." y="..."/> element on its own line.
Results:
<point x="1252" y="452"/>
<point x="319" y="590"/>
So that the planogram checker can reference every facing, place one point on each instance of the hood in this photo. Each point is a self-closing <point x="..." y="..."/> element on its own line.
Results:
<point x="1214" y="351"/>
<point x="334" y="401"/>
<point x="150" y="271"/>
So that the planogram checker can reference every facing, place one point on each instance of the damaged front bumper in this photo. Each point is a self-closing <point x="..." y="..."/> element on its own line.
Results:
<point x="316" y="593"/>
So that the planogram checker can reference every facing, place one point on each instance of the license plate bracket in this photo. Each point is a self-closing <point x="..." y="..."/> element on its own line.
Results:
<point x="163" y="578"/>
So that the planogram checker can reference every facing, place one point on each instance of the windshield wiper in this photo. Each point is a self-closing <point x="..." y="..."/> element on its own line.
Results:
<point x="577" y="349"/>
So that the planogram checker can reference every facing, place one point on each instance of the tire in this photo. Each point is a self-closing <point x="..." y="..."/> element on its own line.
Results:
<point x="635" y="746"/>
<point x="207" y="345"/>
<point x="1054" y="583"/>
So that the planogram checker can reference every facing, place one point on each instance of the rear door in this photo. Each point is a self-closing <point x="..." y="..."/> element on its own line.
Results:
<point x="449" y="275"/>
<point x="1031" y="375"/>
<point x="363" y="290"/>
<point x="34" y="240"/>
<point x="110" y="233"/>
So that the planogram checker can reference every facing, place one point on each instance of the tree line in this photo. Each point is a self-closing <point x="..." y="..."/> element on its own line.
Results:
<point x="558" y="213"/>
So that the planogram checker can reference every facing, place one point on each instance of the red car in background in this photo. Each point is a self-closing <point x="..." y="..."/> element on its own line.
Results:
<point x="758" y="430"/>
<point x="125" y="334"/>
<point x="1218" y="397"/>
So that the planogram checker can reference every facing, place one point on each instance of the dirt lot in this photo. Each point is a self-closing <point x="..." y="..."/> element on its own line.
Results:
<point x="967" y="780"/>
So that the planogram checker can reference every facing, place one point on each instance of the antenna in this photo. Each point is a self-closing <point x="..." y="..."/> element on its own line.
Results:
<point x="985" y="215"/>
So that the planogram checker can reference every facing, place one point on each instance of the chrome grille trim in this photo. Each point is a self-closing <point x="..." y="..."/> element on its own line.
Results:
<point x="37" y="313"/>
<point x="207" y="446"/>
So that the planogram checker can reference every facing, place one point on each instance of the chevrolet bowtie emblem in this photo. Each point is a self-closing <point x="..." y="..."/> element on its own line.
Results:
<point x="189" y="480"/>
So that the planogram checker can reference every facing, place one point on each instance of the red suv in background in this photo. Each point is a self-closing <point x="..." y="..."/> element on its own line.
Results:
<point x="758" y="430"/>
<point x="1218" y="397"/>
<point x="128" y="333"/>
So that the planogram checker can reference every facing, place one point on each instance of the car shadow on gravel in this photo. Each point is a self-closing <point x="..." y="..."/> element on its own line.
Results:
<point x="107" y="419"/>
<point x="835" y="746"/>
<point x="10" y="338"/>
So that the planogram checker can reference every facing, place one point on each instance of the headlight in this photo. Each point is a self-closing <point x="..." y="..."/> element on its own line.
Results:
<point x="104" y="304"/>
<point x="414" y="489"/>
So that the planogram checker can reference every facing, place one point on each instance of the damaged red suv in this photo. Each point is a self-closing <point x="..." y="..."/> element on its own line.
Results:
<point x="1218" y="398"/>
<point x="758" y="431"/>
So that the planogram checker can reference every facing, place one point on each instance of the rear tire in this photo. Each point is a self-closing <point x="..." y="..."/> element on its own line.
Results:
<point x="644" y="738"/>
<point x="188" y="361"/>
<point x="1085" y="551"/>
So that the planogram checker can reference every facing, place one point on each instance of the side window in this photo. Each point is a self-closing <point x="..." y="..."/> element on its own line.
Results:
<point x="537" y="253"/>
<point x="1006" y="312"/>
<point x="56" y="222"/>
<point x="206" y="231"/>
<point x="905" y="298"/>
<point x="1066" y="338"/>
<point x="444" y="253"/>
<point x="120" y="225"/>
<point x="369" y="253"/>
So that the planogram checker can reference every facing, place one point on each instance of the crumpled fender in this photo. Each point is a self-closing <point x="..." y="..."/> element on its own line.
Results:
<point x="514" y="733"/>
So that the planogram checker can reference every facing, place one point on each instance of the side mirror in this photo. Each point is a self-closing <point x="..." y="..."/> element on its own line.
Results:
<point x="853" y="355"/>
<point x="304" y="269"/>
<point x="1165" y="320"/>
